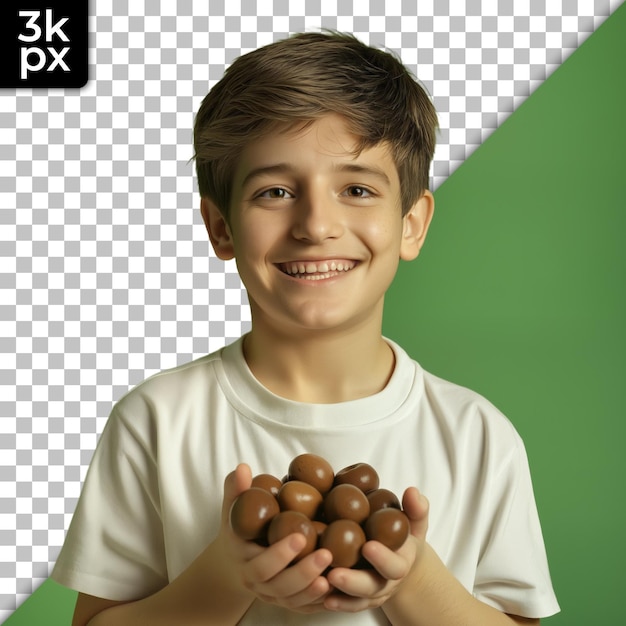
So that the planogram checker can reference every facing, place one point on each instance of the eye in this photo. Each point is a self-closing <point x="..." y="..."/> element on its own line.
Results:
<point x="357" y="191"/>
<point x="275" y="193"/>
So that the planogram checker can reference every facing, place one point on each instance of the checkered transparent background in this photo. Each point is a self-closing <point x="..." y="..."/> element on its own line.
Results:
<point x="106" y="274"/>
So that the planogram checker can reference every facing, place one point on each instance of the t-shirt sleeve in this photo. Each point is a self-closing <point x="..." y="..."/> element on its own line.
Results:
<point x="114" y="547"/>
<point x="512" y="573"/>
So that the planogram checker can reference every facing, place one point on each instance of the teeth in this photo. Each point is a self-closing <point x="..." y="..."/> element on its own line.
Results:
<point x="316" y="271"/>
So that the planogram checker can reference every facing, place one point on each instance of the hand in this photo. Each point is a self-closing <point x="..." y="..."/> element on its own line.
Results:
<point x="266" y="572"/>
<point x="366" y="589"/>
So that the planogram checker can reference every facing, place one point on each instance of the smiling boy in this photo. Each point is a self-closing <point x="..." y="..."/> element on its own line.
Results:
<point x="312" y="157"/>
<point x="317" y="234"/>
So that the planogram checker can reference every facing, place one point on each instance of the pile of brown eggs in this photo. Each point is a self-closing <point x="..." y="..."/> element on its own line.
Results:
<point x="339" y="512"/>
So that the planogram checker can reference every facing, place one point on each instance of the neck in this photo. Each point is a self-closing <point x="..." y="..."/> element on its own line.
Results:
<point x="320" y="367"/>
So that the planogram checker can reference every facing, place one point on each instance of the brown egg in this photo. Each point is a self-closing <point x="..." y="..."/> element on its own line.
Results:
<point x="382" y="499"/>
<point x="389" y="526"/>
<point x="252" y="512"/>
<point x="314" y="470"/>
<point x="268" y="482"/>
<point x="346" y="502"/>
<point x="344" y="538"/>
<point x="361" y="475"/>
<point x="320" y="527"/>
<point x="296" y="495"/>
<point x="288" y="522"/>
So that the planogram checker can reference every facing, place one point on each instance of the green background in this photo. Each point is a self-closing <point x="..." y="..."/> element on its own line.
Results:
<point x="520" y="294"/>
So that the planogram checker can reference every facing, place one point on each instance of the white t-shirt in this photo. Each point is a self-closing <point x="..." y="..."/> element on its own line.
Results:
<point x="152" y="497"/>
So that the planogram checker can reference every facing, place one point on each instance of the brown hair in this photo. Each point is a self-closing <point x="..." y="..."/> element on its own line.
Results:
<point x="298" y="80"/>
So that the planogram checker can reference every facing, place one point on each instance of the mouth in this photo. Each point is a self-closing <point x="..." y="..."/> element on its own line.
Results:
<point x="316" y="270"/>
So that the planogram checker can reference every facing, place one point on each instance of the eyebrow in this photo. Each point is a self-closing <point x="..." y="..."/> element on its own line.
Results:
<point x="278" y="168"/>
<point x="286" y="168"/>
<point x="368" y="170"/>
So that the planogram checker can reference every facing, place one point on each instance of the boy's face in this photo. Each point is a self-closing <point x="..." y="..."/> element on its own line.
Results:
<point x="317" y="233"/>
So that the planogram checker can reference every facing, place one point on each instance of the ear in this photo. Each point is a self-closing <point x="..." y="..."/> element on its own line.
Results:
<point x="219" y="231"/>
<point x="415" y="226"/>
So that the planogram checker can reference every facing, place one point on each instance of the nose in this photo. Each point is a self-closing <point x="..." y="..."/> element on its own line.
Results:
<point x="316" y="217"/>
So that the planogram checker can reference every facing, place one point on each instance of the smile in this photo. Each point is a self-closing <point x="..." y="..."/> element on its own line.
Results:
<point x="316" y="270"/>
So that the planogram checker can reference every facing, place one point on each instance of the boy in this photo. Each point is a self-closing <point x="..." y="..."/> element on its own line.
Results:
<point x="312" y="156"/>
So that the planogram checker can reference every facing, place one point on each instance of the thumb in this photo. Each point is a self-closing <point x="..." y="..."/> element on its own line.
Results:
<point x="234" y="484"/>
<point x="416" y="507"/>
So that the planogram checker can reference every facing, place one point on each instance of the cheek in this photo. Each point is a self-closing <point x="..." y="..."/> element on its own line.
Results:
<point x="250" y="237"/>
<point x="382" y="236"/>
<point x="255" y="248"/>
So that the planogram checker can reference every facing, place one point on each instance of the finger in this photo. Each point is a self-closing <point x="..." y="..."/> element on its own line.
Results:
<point x="270" y="572"/>
<point x="273" y="560"/>
<point x="308" y="600"/>
<point x="391" y="565"/>
<point x="347" y="604"/>
<point x="416" y="507"/>
<point x="235" y="483"/>
<point x="356" y="583"/>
